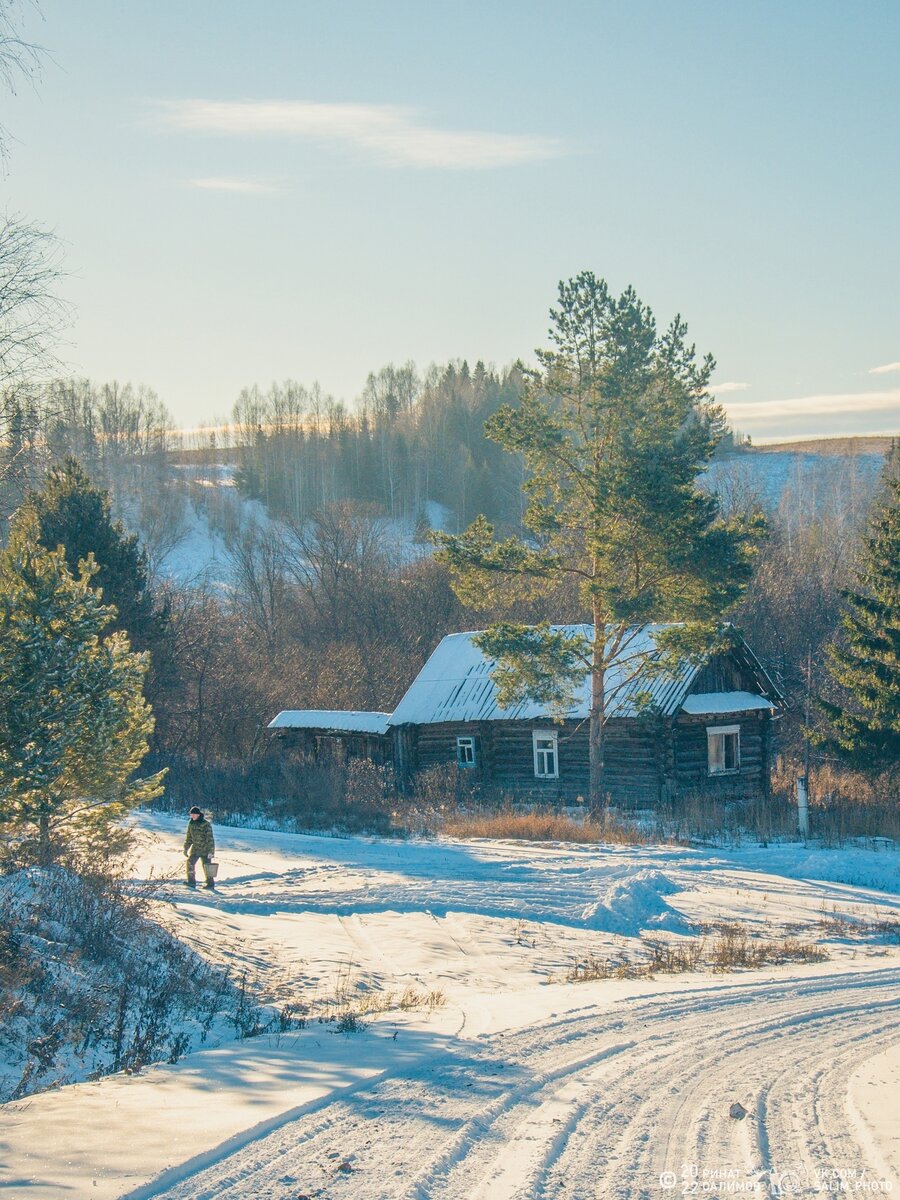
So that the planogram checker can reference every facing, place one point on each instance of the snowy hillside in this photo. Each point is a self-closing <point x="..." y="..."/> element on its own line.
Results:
<point x="192" y="540"/>
<point x="816" y="480"/>
<point x="500" y="1076"/>
<point x="204" y="519"/>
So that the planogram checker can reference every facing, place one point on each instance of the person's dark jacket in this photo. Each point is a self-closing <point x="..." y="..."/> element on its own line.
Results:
<point x="199" y="839"/>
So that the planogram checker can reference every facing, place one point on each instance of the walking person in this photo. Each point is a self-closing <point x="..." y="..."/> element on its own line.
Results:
<point x="199" y="843"/>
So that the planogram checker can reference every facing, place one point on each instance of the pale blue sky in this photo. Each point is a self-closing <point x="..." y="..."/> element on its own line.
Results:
<point x="250" y="192"/>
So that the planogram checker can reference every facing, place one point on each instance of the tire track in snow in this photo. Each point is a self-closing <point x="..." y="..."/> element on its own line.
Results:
<point x="632" y="1144"/>
<point x="483" y="1129"/>
<point x="598" y="1103"/>
<point x="685" y="1101"/>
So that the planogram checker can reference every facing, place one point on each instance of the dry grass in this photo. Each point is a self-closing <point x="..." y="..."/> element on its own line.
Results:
<point x="594" y="967"/>
<point x="540" y="825"/>
<point x="844" y="804"/>
<point x="348" y="1003"/>
<point x="370" y="1003"/>
<point x="734" y="949"/>
<point x="704" y="815"/>
<point x="857" y="929"/>
<point x="354" y="1007"/>
<point x="731" y="949"/>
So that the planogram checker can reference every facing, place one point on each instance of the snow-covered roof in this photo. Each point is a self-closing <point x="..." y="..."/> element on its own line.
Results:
<point x="455" y="684"/>
<point x="331" y="720"/>
<point x="724" y="702"/>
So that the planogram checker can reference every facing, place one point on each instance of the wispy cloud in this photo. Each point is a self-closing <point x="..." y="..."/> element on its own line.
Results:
<point x="885" y="370"/>
<point x="851" y="404"/>
<point x="233" y="185"/>
<point x="394" y="135"/>
<point x="723" y="389"/>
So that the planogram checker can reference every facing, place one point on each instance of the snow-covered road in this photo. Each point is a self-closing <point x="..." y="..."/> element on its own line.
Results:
<point x="522" y="1084"/>
<point x="617" y="1103"/>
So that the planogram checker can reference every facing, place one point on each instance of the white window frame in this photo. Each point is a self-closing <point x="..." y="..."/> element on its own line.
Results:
<point x="723" y="731"/>
<point x="540" y="754"/>
<point x="463" y="745"/>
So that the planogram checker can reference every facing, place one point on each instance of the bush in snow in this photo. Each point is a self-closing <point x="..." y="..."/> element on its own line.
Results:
<point x="90" y="984"/>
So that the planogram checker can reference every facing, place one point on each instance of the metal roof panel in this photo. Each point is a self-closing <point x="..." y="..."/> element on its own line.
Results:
<point x="455" y="683"/>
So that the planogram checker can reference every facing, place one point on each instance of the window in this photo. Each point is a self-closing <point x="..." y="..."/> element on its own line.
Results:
<point x="723" y="749"/>
<point x="546" y="759"/>
<point x="465" y="752"/>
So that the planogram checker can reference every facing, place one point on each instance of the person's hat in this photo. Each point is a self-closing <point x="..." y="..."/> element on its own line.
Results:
<point x="195" y="809"/>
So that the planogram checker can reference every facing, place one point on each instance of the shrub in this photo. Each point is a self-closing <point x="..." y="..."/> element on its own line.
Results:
<point x="90" y="983"/>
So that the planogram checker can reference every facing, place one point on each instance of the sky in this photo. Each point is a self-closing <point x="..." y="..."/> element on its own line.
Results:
<point x="249" y="193"/>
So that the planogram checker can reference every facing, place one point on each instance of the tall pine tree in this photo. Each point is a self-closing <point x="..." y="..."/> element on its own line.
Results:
<point x="614" y="430"/>
<point x="864" y="730"/>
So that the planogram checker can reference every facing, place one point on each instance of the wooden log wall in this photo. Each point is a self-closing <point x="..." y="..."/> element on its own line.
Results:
<point x="635" y="754"/>
<point x="337" y="746"/>
<point x="634" y="760"/>
<point x="645" y="760"/>
<point x="692" y="759"/>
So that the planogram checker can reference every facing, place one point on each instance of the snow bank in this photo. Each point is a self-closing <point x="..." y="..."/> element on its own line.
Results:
<point x="89" y="984"/>
<point x="635" y="904"/>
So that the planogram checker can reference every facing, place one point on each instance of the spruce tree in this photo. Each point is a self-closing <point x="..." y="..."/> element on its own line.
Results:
<point x="614" y="430"/>
<point x="73" y="720"/>
<point x="864" y="662"/>
<point x="74" y="513"/>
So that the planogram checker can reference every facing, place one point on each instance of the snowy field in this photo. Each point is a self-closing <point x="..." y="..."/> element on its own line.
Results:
<point x="513" y="1082"/>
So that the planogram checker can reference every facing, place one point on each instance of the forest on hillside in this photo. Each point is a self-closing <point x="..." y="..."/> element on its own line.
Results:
<point x="409" y="439"/>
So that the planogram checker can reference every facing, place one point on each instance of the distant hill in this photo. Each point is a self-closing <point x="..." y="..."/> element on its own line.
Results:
<point x="824" y="473"/>
<point x="844" y="446"/>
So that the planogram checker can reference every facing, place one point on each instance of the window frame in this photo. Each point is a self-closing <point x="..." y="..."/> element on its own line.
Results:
<point x="723" y="731"/>
<point x="545" y="735"/>
<point x="468" y="741"/>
